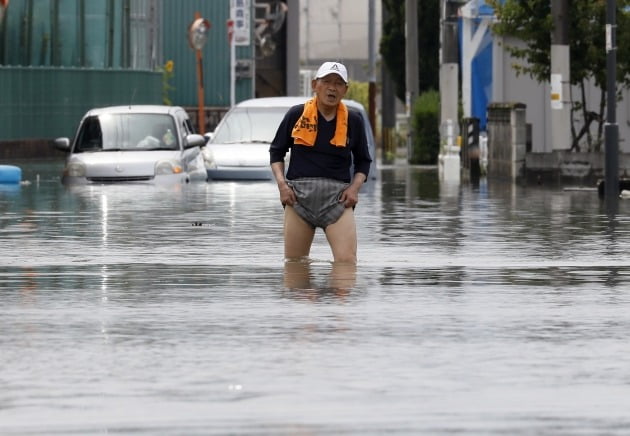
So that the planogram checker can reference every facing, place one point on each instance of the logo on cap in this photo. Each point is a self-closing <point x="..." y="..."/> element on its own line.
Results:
<point x="334" y="67"/>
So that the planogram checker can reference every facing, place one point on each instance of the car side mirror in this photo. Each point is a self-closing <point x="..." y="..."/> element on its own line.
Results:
<point x="209" y="136"/>
<point x="62" y="144"/>
<point x="194" y="140"/>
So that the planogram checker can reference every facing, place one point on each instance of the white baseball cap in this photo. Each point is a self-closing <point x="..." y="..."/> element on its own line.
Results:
<point x="332" y="68"/>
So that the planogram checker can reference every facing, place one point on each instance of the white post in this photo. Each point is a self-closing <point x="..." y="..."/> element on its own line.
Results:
<point x="560" y="77"/>
<point x="449" y="161"/>
<point x="232" y="71"/>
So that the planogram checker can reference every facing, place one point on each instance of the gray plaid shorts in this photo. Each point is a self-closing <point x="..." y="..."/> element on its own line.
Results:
<point x="318" y="200"/>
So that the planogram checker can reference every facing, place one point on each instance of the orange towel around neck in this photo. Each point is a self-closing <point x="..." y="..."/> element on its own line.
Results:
<point x="305" y="130"/>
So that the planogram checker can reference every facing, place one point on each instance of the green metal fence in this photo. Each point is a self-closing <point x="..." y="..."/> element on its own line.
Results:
<point x="42" y="102"/>
<point x="81" y="33"/>
<point x="58" y="58"/>
<point x="177" y="16"/>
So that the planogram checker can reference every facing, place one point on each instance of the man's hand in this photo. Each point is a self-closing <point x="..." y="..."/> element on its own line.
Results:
<point x="350" y="197"/>
<point x="287" y="196"/>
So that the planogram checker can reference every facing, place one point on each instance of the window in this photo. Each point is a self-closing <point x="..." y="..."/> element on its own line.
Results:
<point x="128" y="132"/>
<point x="90" y="137"/>
<point x="250" y="125"/>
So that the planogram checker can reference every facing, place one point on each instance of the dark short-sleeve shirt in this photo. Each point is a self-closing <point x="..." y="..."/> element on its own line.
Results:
<point x="323" y="159"/>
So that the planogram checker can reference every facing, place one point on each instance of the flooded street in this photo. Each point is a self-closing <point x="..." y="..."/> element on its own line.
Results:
<point x="476" y="310"/>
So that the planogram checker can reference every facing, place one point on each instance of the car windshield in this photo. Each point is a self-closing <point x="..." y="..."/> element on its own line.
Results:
<point x="127" y="132"/>
<point x="249" y="125"/>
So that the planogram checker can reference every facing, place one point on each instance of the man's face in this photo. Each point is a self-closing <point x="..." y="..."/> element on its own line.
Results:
<point x="330" y="89"/>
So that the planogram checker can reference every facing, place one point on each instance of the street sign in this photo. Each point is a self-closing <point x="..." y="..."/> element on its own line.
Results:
<point x="244" y="69"/>
<point x="240" y="15"/>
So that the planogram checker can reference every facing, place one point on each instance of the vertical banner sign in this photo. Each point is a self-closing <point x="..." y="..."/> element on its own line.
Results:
<point x="239" y="13"/>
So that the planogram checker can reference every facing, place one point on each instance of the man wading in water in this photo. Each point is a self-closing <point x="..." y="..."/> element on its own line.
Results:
<point x="325" y="140"/>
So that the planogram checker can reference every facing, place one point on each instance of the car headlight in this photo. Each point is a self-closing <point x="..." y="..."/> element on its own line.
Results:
<point x="75" y="169"/>
<point x="208" y="158"/>
<point x="165" y="167"/>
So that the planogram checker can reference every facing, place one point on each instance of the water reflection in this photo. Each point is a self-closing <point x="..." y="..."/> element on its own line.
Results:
<point x="317" y="281"/>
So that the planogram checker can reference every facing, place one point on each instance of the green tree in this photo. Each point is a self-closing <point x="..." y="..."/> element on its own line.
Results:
<point x="359" y="91"/>
<point x="392" y="45"/>
<point x="531" y="22"/>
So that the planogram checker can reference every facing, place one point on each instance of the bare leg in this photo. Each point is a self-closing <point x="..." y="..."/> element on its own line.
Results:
<point x="342" y="237"/>
<point x="298" y="235"/>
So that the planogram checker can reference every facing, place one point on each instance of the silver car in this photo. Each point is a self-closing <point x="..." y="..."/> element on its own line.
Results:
<point x="238" y="149"/>
<point x="134" y="144"/>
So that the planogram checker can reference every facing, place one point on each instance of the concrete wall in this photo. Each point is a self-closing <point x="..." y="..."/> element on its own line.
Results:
<point x="508" y="87"/>
<point x="509" y="160"/>
<point x="506" y="140"/>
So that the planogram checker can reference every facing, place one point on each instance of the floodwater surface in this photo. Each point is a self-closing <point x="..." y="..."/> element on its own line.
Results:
<point x="474" y="309"/>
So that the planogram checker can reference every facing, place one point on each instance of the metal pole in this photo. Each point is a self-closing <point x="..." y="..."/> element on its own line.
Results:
<point x="411" y="60"/>
<point x="200" y="108"/>
<point x="388" y="105"/>
<point x="372" y="63"/>
<point x="411" y="49"/>
<point x="201" y="118"/>
<point x="232" y="71"/>
<point x="611" y="132"/>
<point x="293" y="48"/>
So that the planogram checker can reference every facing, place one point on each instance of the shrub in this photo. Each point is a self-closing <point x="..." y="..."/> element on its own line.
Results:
<point x="359" y="91"/>
<point x="425" y="122"/>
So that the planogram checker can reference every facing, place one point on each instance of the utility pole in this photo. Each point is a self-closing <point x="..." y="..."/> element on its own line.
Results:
<point x="411" y="62"/>
<point x="372" y="63"/>
<point x="560" y="77"/>
<point x="449" y="67"/>
<point x="293" y="47"/>
<point x="388" y="105"/>
<point x="611" y="129"/>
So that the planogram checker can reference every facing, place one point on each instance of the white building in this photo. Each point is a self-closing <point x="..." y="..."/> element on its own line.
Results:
<point x="338" y="30"/>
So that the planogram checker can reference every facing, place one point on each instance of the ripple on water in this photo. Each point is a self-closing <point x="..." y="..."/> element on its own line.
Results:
<point x="483" y="310"/>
